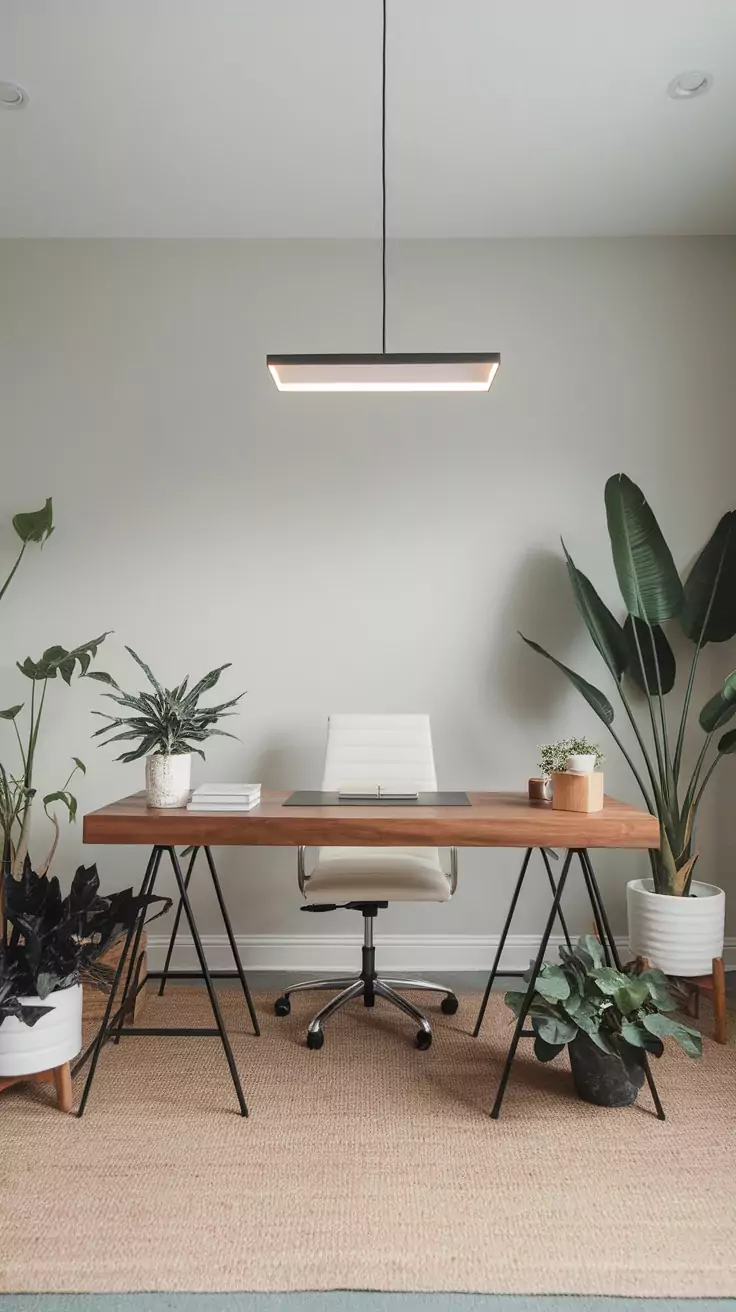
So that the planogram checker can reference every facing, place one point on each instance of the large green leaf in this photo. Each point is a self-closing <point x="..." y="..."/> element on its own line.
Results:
<point x="658" y="988"/>
<point x="647" y="577"/>
<point x="727" y="744"/>
<point x="35" y="525"/>
<point x="665" y="657"/>
<point x="593" y="696"/>
<point x="544" y="1051"/>
<point x="602" y="626"/>
<point x="11" y="712"/>
<point x="609" y="980"/>
<point x="709" y="595"/>
<point x="665" y="1027"/>
<point x="556" y="1030"/>
<point x="588" y="946"/>
<point x="720" y="707"/>
<point x="57" y="660"/>
<point x="552" y="983"/>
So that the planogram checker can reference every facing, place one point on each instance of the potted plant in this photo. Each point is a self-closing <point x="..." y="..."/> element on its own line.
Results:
<point x="574" y="754"/>
<point x="17" y="788"/>
<point x="607" y="1018"/>
<point x="53" y="944"/>
<point x="167" y="726"/>
<point x="675" y="922"/>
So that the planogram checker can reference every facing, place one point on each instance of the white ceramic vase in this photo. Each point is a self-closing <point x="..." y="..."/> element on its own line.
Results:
<point x="168" y="779"/>
<point x="582" y="763"/>
<point x="54" y="1039"/>
<point x="679" y="935"/>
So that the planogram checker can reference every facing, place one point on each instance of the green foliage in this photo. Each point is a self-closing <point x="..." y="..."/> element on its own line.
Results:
<point x="615" y="1008"/>
<point x="639" y="653"/>
<point x="169" y="720"/>
<point x="17" y="790"/>
<point x="553" y="756"/>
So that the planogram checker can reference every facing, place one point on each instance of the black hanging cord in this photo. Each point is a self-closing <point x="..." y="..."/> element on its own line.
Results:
<point x="383" y="186"/>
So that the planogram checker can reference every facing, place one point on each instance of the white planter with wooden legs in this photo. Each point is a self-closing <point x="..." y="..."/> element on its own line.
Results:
<point x="681" y="936"/>
<point x="44" y="1050"/>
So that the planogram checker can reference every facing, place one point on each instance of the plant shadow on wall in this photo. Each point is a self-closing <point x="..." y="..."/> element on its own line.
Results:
<point x="639" y="658"/>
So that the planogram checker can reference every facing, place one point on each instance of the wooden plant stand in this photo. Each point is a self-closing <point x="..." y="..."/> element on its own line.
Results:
<point x="62" y="1077"/>
<point x="688" y="991"/>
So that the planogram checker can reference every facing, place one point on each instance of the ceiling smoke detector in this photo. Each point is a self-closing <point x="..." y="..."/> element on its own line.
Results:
<point x="687" y="85"/>
<point x="12" y="96"/>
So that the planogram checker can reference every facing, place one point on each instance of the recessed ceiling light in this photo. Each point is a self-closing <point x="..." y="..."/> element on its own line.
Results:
<point x="12" y="96"/>
<point x="692" y="83"/>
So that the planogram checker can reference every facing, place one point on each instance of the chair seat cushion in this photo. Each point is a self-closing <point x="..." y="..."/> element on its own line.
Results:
<point x="381" y="874"/>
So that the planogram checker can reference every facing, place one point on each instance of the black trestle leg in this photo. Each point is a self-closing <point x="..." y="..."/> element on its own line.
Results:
<point x="502" y="942"/>
<point x="231" y="940"/>
<point x="531" y="986"/>
<point x="102" y="1033"/>
<point x="553" y="886"/>
<point x="592" y="883"/>
<point x="175" y="929"/>
<point x="595" y="904"/>
<point x="146" y="890"/>
<point x="208" y="980"/>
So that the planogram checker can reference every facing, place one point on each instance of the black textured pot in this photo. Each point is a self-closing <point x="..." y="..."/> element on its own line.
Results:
<point x="607" y="1081"/>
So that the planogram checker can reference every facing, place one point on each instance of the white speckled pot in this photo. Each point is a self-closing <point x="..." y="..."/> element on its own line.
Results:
<point x="168" y="779"/>
<point x="54" y="1039"/>
<point x="679" y="935"/>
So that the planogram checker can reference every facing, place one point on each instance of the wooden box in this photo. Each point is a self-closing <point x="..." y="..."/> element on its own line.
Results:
<point x="577" y="792"/>
<point x="94" y="1000"/>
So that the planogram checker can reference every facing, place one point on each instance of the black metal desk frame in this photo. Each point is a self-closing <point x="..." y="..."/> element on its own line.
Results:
<point x="113" y="1023"/>
<point x="603" y="930"/>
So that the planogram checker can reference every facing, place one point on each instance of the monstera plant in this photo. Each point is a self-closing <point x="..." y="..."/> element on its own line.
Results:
<point x="639" y="658"/>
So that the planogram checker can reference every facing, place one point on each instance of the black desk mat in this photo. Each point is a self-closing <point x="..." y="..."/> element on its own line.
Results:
<point x="309" y="798"/>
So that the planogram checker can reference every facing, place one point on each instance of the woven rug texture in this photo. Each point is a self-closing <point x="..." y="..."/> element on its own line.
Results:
<point x="366" y="1165"/>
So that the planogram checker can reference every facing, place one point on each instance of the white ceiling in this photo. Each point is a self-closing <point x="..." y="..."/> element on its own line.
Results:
<point x="261" y="118"/>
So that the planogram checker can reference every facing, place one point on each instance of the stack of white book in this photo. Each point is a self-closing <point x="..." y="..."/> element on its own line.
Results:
<point x="225" y="797"/>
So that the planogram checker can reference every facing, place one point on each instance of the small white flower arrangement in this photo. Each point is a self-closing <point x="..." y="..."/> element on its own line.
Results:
<point x="555" y="756"/>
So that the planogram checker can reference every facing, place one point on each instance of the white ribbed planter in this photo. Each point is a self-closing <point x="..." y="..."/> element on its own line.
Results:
<point x="54" y="1039"/>
<point x="168" y="779"/>
<point x="679" y="935"/>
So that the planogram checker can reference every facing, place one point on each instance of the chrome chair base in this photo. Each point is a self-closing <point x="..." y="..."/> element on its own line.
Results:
<point x="368" y="986"/>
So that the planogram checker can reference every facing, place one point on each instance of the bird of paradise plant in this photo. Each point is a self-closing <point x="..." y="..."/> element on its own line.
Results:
<point x="639" y="650"/>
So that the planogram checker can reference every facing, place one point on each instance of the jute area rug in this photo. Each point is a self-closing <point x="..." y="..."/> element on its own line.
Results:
<point x="367" y="1165"/>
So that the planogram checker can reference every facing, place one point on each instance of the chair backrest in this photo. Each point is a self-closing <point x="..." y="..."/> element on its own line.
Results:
<point x="390" y="750"/>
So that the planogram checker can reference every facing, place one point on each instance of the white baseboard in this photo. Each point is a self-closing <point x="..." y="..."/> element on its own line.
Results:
<point x="340" y="952"/>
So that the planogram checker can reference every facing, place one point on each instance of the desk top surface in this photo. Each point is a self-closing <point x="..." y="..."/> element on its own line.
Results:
<point x="491" y="820"/>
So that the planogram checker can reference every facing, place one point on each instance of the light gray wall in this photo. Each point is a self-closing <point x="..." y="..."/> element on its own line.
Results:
<point x="352" y="552"/>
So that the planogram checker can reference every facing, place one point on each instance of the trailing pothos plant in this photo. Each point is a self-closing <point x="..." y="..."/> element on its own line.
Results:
<point x="169" y="721"/>
<point x="620" y="1010"/>
<point x="639" y="651"/>
<point x="17" y="788"/>
<point x="54" y="941"/>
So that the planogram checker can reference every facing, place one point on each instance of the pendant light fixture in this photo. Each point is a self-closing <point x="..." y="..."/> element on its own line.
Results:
<point x="387" y="372"/>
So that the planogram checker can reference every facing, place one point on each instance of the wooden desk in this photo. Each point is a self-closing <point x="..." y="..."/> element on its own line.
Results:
<point x="492" y="820"/>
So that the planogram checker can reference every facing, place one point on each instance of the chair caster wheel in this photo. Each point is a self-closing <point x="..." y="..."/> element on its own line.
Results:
<point x="449" y="1005"/>
<point x="423" y="1040"/>
<point x="282" y="1007"/>
<point x="315" y="1039"/>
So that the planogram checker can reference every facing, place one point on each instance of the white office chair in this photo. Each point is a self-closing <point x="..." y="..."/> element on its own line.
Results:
<point x="364" y="751"/>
